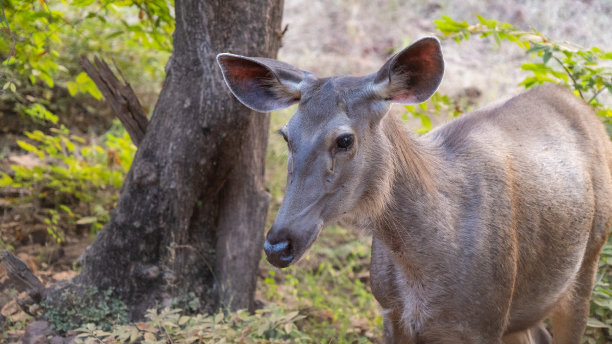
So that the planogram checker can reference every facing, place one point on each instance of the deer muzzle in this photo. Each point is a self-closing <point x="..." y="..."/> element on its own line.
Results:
<point x="279" y="250"/>
<point x="286" y="245"/>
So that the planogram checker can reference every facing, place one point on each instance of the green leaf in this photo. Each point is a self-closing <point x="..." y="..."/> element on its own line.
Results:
<point x="5" y="180"/>
<point x="82" y="3"/>
<point x="535" y="48"/>
<point x="93" y="90"/>
<point x="448" y="26"/>
<point x="72" y="88"/>
<point x="114" y="34"/>
<point x="39" y="113"/>
<point x="425" y="122"/>
<point x="592" y="322"/>
<point x="85" y="84"/>
<point x="30" y="148"/>
<point x="69" y="145"/>
<point x="547" y="56"/>
<point x="82" y="78"/>
<point x="47" y="79"/>
<point x="9" y="85"/>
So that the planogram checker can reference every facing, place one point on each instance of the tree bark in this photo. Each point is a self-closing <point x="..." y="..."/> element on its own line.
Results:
<point x="192" y="209"/>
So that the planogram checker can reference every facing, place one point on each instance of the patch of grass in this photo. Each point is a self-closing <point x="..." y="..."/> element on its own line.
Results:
<point x="330" y="286"/>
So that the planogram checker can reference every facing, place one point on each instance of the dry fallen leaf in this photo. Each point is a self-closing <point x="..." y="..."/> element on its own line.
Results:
<point x="64" y="275"/>
<point x="29" y="261"/>
<point x="26" y="160"/>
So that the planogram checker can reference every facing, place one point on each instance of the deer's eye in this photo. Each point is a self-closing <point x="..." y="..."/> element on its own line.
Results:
<point x="282" y="133"/>
<point x="345" y="141"/>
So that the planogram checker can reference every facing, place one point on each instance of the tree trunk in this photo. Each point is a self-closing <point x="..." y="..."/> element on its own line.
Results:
<point x="192" y="210"/>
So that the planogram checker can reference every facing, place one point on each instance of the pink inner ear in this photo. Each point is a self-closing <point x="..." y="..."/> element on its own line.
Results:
<point x="255" y="85"/>
<point x="405" y="97"/>
<point x="244" y="73"/>
<point x="416" y="73"/>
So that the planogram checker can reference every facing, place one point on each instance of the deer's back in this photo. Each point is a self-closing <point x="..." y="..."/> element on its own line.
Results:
<point x="531" y="190"/>
<point x="545" y="139"/>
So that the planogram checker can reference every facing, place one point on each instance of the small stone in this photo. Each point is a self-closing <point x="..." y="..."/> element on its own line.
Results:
<point x="37" y="332"/>
<point x="58" y="340"/>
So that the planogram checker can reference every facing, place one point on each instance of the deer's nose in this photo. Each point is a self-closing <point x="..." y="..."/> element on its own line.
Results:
<point x="278" y="248"/>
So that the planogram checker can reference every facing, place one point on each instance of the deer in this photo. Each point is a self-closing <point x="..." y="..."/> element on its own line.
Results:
<point x="481" y="229"/>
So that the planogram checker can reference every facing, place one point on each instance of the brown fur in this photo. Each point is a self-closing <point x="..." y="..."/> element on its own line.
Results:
<point x="496" y="248"/>
<point x="481" y="229"/>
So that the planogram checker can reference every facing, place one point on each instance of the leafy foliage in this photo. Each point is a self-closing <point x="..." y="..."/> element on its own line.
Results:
<point x="559" y="62"/>
<point x="72" y="174"/>
<point x="437" y="105"/>
<point x="39" y="48"/>
<point x="41" y="42"/>
<point x="85" y="304"/>
<point x="267" y="325"/>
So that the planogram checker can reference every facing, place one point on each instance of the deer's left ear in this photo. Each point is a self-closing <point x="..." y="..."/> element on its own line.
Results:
<point x="412" y="75"/>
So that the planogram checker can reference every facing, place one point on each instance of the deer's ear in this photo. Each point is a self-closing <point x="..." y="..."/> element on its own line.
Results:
<point x="412" y="75"/>
<point x="261" y="84"/>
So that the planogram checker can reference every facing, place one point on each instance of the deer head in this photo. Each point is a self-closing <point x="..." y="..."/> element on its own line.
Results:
<point x="338" y="166"/>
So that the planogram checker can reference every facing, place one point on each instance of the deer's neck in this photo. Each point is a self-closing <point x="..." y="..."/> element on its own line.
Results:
<point x="416" y="212"/>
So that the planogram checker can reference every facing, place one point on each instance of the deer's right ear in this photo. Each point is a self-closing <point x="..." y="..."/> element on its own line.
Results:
<point x="260" y="83"/>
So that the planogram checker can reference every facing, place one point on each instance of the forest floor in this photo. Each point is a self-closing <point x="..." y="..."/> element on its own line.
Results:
<point x="331" y="285"/>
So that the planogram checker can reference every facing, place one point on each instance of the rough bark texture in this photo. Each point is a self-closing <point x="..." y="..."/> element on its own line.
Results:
<point x="22" y="279"/>
<point x="191" y="213"/>
<point x="20" y="276"/>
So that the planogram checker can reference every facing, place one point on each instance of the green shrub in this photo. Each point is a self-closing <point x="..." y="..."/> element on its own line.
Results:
<point x="583" y="70"/>
<point x="267" y="325"/>
<point x="41" y="41"/>
<point x="80" y="182"/>
<point x="82" y="305"/>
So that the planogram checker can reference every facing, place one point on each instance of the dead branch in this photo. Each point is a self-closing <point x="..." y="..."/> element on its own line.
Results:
<point x="22" y="279"/>
<point x="120" y="96"/>
<point x="20" y="275"/>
